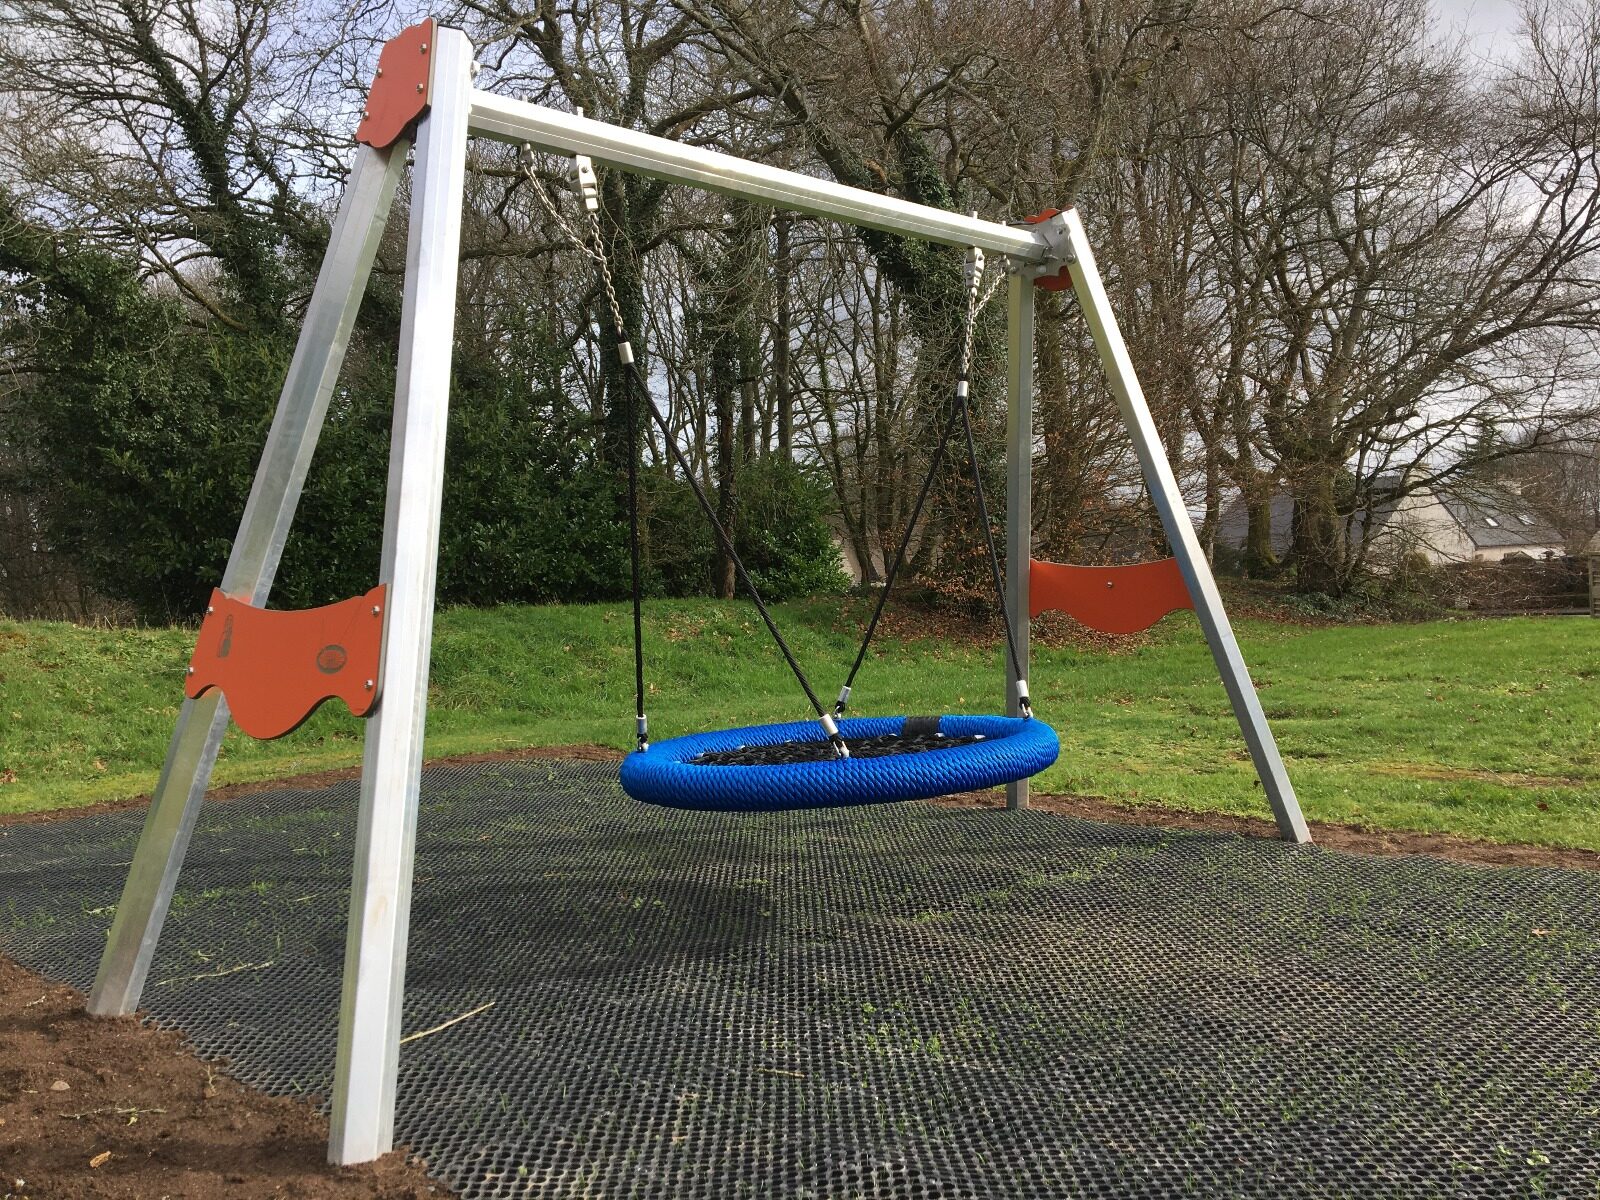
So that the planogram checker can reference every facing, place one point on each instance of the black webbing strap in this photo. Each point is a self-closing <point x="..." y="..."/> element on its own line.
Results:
<point x="899" y="557"/>
<point x="637" y="385"/>
<point x="637" y="379"/>
<point x="994" y="556"/>
<point x="961" y="412"/>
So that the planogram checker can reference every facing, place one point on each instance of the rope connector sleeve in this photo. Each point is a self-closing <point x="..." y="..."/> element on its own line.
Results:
<point x="624" y="351"/>
<point x="643" y="724"/>
<point x="831" y="728"/>
<point x="842" y="702"/>
<point x="1023" y="703"/>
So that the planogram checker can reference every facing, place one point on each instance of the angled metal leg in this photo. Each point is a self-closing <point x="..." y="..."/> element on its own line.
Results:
<point x="1163" y="485"/>
<point x="367" y="1065"/>
<point x="1019" y="485"/>
<point x="256" y="551"/>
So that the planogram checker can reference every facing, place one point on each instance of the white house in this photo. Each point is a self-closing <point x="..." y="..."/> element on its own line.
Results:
<point x="1459" y="522"/>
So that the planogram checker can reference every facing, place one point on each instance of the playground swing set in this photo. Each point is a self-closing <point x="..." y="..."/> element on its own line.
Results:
<point x="270" y="669"/>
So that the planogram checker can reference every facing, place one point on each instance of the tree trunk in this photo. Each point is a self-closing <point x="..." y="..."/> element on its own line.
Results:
<point x="782" y="389"/>
<point x="722" y="393"/>
<point x="1318" y="540"/>
<point x="1260" y="559"/>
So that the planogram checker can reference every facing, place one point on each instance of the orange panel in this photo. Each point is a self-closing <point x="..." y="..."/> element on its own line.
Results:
<point x="399" y="92"/>
<point x="274" y="667"/>
<point x="1111" y="599"/>
<point x="1061" y="281"/>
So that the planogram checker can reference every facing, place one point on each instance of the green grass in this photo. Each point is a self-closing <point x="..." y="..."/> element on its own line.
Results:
<point x="1482" y="728"/>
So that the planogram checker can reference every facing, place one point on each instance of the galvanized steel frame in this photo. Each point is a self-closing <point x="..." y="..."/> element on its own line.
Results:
<point x="369" y="1022"/>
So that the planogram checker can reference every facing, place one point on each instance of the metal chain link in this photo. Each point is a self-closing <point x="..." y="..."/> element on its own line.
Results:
<point x="548" y="203"/>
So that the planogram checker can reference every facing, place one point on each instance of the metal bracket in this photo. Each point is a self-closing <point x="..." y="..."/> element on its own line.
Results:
<point x="1051" y="275"/>
<point x="400" y="90"/>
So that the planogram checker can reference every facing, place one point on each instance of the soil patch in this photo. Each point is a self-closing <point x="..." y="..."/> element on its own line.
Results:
<point x="112" y="1108"/>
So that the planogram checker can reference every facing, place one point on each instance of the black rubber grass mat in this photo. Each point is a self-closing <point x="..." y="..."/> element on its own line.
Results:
<point x="899" y="1001"/>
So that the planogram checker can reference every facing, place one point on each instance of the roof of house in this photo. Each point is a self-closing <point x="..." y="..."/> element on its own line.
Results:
<point x="1495" y="517"/>
<point x="1492" y="517"/>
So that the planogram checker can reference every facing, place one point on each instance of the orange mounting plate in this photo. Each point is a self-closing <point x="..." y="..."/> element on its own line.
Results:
<point x="399" y="92"/>
<point x="1061" y="281"/>
<point x="1121" y="599"/>
<point x="275" y="667"/>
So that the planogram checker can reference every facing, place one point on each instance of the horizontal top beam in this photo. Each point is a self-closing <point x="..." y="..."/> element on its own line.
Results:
<point x="517" y="121"/>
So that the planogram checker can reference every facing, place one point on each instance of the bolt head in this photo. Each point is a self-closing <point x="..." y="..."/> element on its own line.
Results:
<point x="380" y="72"/>
<point x="369" y="685"/>
<point x="188" y="670"/>
<point x="424" y="47"/>
<point x="1110" y="584"/>
<point x="376" y="610"/>
<point x="209" y="610"/>
<point x="421" y="88"/>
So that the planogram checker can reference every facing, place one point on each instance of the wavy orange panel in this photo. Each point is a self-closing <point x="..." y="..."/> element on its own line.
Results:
<point x="1121" y="599"/>
<point x="275" y="666"/>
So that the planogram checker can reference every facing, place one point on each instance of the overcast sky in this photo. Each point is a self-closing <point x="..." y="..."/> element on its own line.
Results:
<point x="1489" y="25"/>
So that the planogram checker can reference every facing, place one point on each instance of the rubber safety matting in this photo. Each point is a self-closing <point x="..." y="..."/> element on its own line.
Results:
<point x="905" y="1001"/>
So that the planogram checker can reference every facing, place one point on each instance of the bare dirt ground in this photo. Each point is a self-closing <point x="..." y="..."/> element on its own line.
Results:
<point x="111" y="1108"/>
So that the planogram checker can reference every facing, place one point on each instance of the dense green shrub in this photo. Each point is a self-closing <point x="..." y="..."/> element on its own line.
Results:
<point x="781" y="532"/>
<point x="140" y="428"/>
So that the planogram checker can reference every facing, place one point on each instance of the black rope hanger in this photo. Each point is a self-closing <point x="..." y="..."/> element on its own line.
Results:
<point x="636" y="386"/>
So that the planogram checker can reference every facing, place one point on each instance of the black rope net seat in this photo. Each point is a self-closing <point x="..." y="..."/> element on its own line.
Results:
<point x="765" y="768"/>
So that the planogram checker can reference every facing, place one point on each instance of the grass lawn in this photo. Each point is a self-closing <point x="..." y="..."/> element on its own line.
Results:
<point x="1487" y="729"/>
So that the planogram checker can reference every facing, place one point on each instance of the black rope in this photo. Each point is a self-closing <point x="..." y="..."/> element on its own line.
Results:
<point x="900" y="556"/>
<point x="641" y="729"/>
<point x="726" y="543"/>
<point x="994" y="555"/>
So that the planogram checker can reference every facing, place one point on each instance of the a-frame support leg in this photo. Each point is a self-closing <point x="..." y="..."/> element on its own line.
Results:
<point x="367" y="1066"/>
<point x="1163" y="485"/>
<point x="254" y="561"/>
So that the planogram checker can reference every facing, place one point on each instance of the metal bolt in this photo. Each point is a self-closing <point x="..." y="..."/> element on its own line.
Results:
<point x="376" y="610"/>
<point x="424" y="47"/>
<point x="369" y="685"/>
<point x="421" y="88"/>
<point x="366" y="113"/>
<point x="380" y="72"/>
<point x="209" y="610"/>
<point x="1110" y="584"/>
<point x="188" y="671"/>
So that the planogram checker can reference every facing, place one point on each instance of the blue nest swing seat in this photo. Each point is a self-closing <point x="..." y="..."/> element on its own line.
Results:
<point x="766" y="768"/>
<point x="832" y="761"/>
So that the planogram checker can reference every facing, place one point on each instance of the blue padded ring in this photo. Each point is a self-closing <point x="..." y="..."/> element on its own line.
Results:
<point x="1013" y="748"/>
